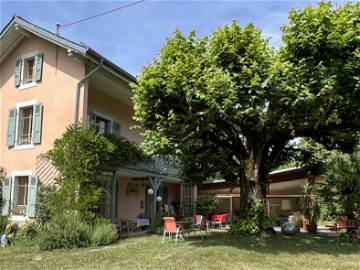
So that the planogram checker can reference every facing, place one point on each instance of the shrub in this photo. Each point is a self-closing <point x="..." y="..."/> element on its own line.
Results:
<point x="245" y="227"/>
<point x="66" y="230"/>
<point x="4" y="221"/>
<point x="43" y="209"/>
<point x="207" y="204"/>
<point x="103" y="234"/>
<point x="29" y="231"/>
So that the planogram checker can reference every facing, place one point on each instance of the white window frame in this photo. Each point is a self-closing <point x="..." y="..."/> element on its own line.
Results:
<point x="15" y="174"/>
<point x="23" y="58"/>
<point x="18" y="107"/>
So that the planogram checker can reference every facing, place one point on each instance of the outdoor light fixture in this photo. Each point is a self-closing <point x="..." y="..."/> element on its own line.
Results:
<point x="150" y="191"/>
<point x="158" y="199"/>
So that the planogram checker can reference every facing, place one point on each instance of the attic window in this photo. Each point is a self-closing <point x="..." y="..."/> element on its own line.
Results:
<point x="29" y="70"/>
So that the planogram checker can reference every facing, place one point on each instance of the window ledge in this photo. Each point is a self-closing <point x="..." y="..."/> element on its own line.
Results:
<point x="27" y="85"/>
<point x="19" y="218"/>
<point x="24" y="147"/>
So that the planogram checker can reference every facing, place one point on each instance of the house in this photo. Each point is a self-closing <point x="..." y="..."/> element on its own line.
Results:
<point x="49" y="82"/>
<point x="283" y="198"/>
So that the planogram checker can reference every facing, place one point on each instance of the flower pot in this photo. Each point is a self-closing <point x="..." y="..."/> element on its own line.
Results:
<point x="311" y="228"/>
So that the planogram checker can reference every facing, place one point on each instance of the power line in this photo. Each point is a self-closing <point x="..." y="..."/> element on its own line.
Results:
<point x="104" y="13"/>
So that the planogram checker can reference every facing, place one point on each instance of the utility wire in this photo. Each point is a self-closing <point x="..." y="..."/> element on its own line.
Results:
<point x="104" y="13"/>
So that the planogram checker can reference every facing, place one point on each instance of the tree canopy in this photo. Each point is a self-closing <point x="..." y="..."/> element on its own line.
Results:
<point x="228" y="104"/>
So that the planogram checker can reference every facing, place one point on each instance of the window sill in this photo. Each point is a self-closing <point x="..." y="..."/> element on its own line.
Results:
<point x="24" y="147"/>
<point x="19" y="218"/>
<point x="27" y="85"/>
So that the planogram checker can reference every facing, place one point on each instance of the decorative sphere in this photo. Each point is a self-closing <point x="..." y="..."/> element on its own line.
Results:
<point x="289" y="228"/>
<point x="158" y="199"/>
<point x="150" y="191"/>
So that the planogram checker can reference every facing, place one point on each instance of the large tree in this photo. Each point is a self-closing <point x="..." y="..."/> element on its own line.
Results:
<point x="228" y="104"/>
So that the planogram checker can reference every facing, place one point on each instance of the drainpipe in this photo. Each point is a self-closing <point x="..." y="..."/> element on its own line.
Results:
<point x="78" y="89"/>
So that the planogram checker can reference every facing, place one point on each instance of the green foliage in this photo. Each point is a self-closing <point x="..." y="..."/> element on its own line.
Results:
<point x="310" y="203"/>
<point x="340" y="191"/>
<point x="4" y="221"/>
<point x="207" y="204"/>
<point x="29" y="231"/>
<point x="227" y="104"/>
<point x="67" y="230"/>
<point x="80" y="155"/>
<point x="103" y="234"/>
<point x="245" y="227"/>
<point x="43" y="207"/>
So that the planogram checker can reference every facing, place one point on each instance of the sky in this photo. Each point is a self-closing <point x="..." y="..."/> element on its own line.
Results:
<point x="132" y="37"/>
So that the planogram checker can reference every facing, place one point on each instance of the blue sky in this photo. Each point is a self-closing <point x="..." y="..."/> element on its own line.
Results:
<point x="132" y="37"/>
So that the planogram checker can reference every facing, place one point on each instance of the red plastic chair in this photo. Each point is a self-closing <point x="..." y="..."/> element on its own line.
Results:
<point x="220" y="220"/>
<point x="171" y="228"/>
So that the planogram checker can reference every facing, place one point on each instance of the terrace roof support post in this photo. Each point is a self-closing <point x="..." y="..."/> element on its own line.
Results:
<point x="155" y="183"/>
<point x="78" y="90"/>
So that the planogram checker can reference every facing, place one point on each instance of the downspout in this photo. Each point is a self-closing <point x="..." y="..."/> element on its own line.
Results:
<point x="78" y="90"/>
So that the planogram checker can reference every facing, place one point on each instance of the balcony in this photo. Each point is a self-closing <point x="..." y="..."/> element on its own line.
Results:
<point x="157" y="165"/>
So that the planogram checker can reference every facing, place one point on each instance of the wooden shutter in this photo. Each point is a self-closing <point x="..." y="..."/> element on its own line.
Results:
<point x="6" y="195"/>
<point x="38" y="66"/>
<point x="18" y="73"/>
<point x="38" y="109"/>
<point x="116" y="128"/>
<point x="11" y="127"/>
<point x="92" y="121"/>
<point x="31" y="203"/>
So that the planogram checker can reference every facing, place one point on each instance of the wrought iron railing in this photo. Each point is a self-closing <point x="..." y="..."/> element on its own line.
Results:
<point x="158" y="164"/>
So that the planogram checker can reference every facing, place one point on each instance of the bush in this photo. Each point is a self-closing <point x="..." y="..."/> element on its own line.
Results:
<point x="4" y="221"/>
<point x="29" y="231"/>
<point x="206" y="204"/>
<point x="43" y="209"/>
<point x="103" y="234"/>
<point x="67" y="230"/>
<point x="245" y="227"/>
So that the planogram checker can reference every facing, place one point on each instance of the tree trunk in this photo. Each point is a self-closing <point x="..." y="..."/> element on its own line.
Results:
<point x="244" y="197"/>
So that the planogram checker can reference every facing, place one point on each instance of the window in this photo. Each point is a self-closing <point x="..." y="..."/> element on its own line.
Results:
<point x="25" y="126"/>
<point x="28" y="70"/>
<point x="22" y="190"/>
<point x="187" y="199"/>
<point x="102" y="125"/>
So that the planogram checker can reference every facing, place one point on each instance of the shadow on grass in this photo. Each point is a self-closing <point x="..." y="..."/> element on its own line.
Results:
<point x="301" y="243"/>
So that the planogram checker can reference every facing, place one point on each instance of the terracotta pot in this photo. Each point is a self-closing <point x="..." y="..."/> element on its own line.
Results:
<point x="311" y="228"/>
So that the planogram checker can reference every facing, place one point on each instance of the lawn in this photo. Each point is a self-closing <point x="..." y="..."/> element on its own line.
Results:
<point x="218" y="251"/>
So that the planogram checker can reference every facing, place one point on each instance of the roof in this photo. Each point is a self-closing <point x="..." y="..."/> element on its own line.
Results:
<point x="18" y="28"/>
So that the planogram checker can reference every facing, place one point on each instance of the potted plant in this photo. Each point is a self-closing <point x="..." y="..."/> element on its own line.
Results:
<point x="311" y="208"/>
<point x="157" y="227"/>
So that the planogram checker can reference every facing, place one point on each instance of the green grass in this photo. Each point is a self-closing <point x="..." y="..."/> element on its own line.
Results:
<point x="218" y="251"/>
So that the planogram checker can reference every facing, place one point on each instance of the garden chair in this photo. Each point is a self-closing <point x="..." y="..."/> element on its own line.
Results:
<point x="220" y="220"/>
<point x="340" y="230"/>
<point x="199" y="225"/>
<point x="171" y="228"/>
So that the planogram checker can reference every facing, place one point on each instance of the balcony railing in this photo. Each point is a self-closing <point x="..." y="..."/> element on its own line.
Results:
<point x="159" y="165"/>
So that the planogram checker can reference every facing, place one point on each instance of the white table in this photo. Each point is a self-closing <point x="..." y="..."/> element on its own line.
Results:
<point x="140" y="222"/>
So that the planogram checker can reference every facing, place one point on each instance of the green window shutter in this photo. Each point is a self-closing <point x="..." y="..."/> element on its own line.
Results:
<point x="92" y="121"/>
<point x="31" y="203"/>
<point x="38" y="109"/>
<point x="116" y="128"/>
<point x="38" y="66"/>
<point x="11" y="127"/>
<point x="6" y="195"/>
<point x="18" y="72"/>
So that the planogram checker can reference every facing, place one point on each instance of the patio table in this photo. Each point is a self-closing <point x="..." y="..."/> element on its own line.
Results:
<point x="141" y="222"/>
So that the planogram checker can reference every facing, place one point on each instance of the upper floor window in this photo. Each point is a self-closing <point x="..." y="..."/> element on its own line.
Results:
<point x="24" y="125"/>
<point x="28" y="70"/>
<point x="103" y="124"/>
